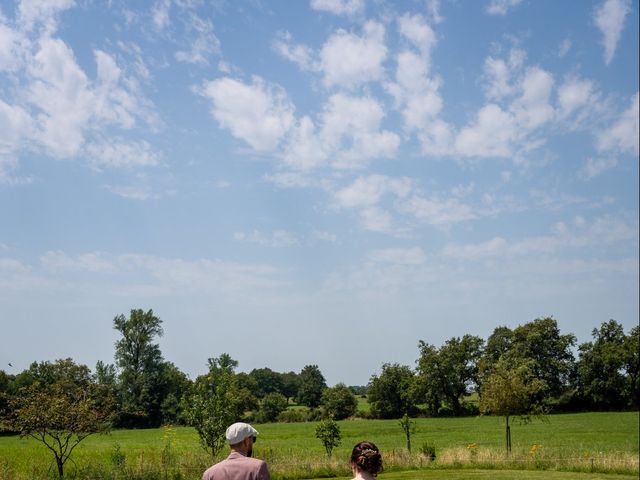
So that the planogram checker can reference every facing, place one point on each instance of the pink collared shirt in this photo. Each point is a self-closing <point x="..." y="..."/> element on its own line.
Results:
<point x="238" y="467"/>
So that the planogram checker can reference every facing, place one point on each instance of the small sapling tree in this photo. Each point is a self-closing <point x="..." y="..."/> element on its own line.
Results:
<point x="328" y="432"/>
<point x="214" y="404"/>
<point x="510" y="389"/>
<point x="408" y="427"/>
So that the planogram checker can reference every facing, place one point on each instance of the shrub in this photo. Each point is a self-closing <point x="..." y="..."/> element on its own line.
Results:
<point x="294" y="416"/>
<point x="428" y="450"/>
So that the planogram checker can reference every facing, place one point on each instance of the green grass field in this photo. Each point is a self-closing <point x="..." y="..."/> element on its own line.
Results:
<point x="598" y="442"/>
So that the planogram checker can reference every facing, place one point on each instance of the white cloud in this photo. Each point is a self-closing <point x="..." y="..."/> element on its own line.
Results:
<point x="573" y="94"/>
<point x="596" y="166"/>
<point x="532" y="109"/>
<point x="60" y="89"/>
<point x="12" y="47"/>
<point x="438" y="212"/>
<point x="88" y="262"/>
<point x="258" y="113"/>
<point x="339" y="7"/>
<point x="401" y="256"/>
<point x="602" y="231"/>
<point x="276" y="238"/>
<point x="160" y="14"/>
<point x="132" y="192"/>
<point x="351" y="131"/>
<point x="564" y="47"/>
<point x="415" y="29"/>
<point x="348" y="60"/>
<point x="609" y="19"/>
<point x="31" y="12"/>
<point x="301" y="55"/>
<point x="623" y="135"/>
<point x="489" y="135"/>
<point x="117" y="153"/>
<point x="304" y="149"/>
<point x="501" y="7"/>
<point x="492" y="248"/>
<point x="203" y="42"/>
<point x="368" y="191"/>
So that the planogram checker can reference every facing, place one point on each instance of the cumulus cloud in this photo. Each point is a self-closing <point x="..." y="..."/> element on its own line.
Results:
<point x="42" y="12"/>
<point x="348" y="60"/>
<point x="623" y="135"/>
<point x="438" y="212"/>
<point x="258" y="113"/>
<point x="301" y="55"/>
<point x="118" y="153"/>
<point x="609" y="18"/>
<point x="339" y="7"/>
<point x="367" y="191"/>
<point x="501" y="7"/>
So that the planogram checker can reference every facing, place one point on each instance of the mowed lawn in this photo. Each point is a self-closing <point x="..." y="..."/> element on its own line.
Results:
<point x="438" y="474"/>
<point x="574" y="439"/>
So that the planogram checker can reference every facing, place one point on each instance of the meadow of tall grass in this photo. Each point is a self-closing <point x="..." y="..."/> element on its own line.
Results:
<point x="592" y="443"/>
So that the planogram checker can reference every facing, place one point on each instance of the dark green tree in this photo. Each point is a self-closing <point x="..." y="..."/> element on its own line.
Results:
<point x="449" y="372"/>
<point x="267" y="381"/>
<point x="606" y="368"/>
<point x="141" y="366"/>
<point x="392" y="393"/>
<point x="290" y="385"/>
<point x="338" y="402"/>
<point x="272" y="405"/>
<point x="550" y="353"/>
<point x="312" y="384"/>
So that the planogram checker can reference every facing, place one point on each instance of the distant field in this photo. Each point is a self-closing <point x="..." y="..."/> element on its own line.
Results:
<point x="602" y="442"/>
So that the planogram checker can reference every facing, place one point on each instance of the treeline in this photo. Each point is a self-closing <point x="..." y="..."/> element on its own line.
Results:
<point x="528" y="369"/>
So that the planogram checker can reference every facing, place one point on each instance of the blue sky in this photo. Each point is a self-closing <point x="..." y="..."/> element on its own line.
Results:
<point x="314" y="182"/>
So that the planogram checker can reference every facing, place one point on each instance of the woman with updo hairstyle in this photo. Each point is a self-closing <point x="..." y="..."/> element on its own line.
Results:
<point x="366" y="461"/>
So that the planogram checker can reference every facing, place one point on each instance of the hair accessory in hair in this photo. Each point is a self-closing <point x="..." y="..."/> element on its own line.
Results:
<point x="368" y="450"/>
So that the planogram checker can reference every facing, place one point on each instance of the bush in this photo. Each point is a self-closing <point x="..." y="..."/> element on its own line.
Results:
<point x="294" y="416"/>
<point x="271" y="406"/>
<point x="428" y="450"/>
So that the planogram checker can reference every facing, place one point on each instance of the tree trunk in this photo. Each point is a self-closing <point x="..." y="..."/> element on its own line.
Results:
<point x="508" y="436"/>
<point x="60" y="465"/>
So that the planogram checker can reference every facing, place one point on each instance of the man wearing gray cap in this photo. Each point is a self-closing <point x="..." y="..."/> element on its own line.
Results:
<point x="239" y="465"/>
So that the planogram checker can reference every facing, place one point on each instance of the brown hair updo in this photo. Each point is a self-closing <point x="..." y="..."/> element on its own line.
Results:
<point x="366" y="457"/>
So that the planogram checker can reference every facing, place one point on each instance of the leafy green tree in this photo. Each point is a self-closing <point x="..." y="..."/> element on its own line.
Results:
<point x="632" y="366"/>
<point x="509" y="390"/>
<point x="272" y="405"/>
<point x="338" y="402"/>
<point x="290" y="385"/>
<point x="449" y="372"/>
<point x="267" y="381"/>
<point x="605" y="368"/>
<point x="550" y="353"/>
<point x="312" y="384"/>
<point x="141" y="367"/>
<point x="391" y="394"/>
<point x="60" y="408"/>
<point x="328" y="432"/>
<point x="174" y="385"/>
<point x="214" y="404"/>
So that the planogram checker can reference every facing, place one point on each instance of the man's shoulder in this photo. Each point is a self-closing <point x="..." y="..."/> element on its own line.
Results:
<point x="235" y="463"/>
